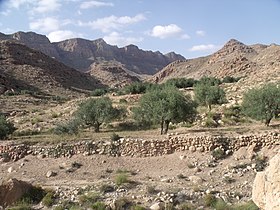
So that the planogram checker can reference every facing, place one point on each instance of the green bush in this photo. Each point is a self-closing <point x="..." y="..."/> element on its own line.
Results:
<point x="71" y="128"/>
<point x="250" y="205"/>
<point x="210" y="200"/>
<point x="229" y="79"/>
<point x="181" y="82"/>
<point x="121" y="179"/>
<point x="6" y="128"/>
<point x="123" y="203"/>
<point x="98" y="92"/>
<point x="218" y="153"/>
<point x="98" y="206"/>
<point x="49" y="199"/>
<point x="114" y="137"/>
<point x="89" y="198"/>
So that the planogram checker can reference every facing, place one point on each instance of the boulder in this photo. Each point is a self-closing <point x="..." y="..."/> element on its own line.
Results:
<point x="12" y="191"/>
<point x="266" y="187"/>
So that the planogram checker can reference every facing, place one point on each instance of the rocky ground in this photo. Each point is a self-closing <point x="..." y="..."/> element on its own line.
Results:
<point x="181" y="177"/>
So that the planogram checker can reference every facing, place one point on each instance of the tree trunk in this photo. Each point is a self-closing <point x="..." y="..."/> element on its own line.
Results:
<point x="161" y="127"/>
<point x="96" y="127"/>
<point x="267" y="121"/>
<point x="209" y="107"/>
<point x="167" y="122"/>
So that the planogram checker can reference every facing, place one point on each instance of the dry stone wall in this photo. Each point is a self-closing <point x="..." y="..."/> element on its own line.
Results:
<point x="140" y="147"/>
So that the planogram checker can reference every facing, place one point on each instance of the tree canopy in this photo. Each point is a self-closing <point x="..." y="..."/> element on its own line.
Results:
<point x="6" y="127"/>
<point x="262" y="103"/>
<point x="207" y="94"/>
<point x="96" y="111"/>
<point x="165" y="105"/>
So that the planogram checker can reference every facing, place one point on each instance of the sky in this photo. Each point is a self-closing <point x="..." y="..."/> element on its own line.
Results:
<point x="192" y="28"/>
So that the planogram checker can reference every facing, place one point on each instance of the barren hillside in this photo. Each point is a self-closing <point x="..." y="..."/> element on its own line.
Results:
<point x="255" y="64"/>
<point x="22" y="68"/>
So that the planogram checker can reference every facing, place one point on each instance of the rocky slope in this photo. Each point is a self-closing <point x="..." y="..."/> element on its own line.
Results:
<point x="112" y="74"/>
<point x="81" y="53"/>
<point x="22" y="68"/>
<point x="255" y="64"/>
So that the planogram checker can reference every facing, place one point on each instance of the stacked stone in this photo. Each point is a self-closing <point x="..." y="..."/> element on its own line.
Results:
<point x="140" y="147"/>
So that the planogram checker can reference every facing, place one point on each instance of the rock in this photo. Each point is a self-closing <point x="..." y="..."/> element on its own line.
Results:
<point x="51" y="174"/>
<point x="12" y="191"/>
<point x="266" y="187"/>
<point x="157" y="206"/>
<point x="10" y="169"/>
<point x="195" y="179"/>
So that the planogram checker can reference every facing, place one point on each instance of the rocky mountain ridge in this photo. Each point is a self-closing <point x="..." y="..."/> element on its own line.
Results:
<point x="22" y="68"/>
<point x="256" y="64"/>
<point x="81" y="53"/>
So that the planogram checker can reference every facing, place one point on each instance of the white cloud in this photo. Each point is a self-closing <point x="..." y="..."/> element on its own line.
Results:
<point x="90" y="4"/>
<point x="60" y="35"/>
<point x="163" y="32"/>
<point x="44" y="6"/>
<point x="113" y="22"/>
<point x="18" y="3"/>
<point x="208" y="48"/>
<point x="116" y="38"/>
<point x="6" y="12"/>
<point x="200" y="33"/>
<point x="47" y="24"/>
<point x="185" y="36"/>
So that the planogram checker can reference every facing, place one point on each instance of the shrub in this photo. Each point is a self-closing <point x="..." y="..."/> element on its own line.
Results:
<point x="261" y="162"/>
<point x="98" y="92"/>
<point x="250" y="205"/>
<point x="71" y="128"/>
<point x="115" y="137"/>
<point x="138" y="208"/>
<point x="181" y="82"/>
<point x="6" y="128"/>
<point x="210" y="200"/>
<point x="186" y="206"/>
<point x="20" y="206"/>
<point x="229" y="79"/>
<point x="98" y="206"/>
<point x="151" y="190"/>
<point x="49" y="199"/>
<point x="218" y="153"/>
<point x="89" y="198"/>
<point x="123" y="203"/>
<point x="221" y="205"/>
<point x="121" y="179"/>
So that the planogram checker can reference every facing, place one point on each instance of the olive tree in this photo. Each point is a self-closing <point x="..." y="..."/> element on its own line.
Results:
<point x="165" y="105"/>
<point x="207" y="94"/>
<point x="262" y="103"/>
<point x="96" y="111"/>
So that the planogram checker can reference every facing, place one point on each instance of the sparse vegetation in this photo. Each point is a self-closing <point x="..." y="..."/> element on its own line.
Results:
<point x="71" y="128"/>
<point x="121" y="178"/>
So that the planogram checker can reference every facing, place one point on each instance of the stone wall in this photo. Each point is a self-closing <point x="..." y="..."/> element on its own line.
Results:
<point x="140" y="147"/>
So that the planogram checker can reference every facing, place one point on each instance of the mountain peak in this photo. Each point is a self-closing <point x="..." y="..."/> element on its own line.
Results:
<point x="30" y="37"/>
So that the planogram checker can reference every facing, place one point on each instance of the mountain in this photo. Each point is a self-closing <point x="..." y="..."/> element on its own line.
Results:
<point x="22" y="68"/>
<point x="81" y="53"/>
<point x="255" y="64"/>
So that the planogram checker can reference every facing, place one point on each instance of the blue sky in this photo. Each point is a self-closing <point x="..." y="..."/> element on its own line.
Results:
<point x="192" y="28"/>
